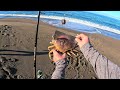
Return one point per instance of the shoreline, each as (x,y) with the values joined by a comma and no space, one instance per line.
(104,30)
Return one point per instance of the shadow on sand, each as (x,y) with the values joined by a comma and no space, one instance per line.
(22,53)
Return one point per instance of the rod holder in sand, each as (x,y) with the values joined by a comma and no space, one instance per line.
(35,47)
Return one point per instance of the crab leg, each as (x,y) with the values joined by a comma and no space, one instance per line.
(76,51)
(73,53)
(50,47)
(50,55)
(51,42)
(70,59)
(50,51)
(68,53)
(76,45)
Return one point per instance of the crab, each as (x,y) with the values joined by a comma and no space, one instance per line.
(63,44)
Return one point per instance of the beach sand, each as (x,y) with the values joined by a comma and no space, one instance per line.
(17,42)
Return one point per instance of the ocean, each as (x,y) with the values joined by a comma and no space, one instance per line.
(83,21)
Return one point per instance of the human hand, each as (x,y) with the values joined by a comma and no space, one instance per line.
(58,56)
(82,39)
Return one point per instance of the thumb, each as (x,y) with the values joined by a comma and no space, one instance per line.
(54,52)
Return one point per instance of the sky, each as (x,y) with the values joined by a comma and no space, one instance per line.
(113,14)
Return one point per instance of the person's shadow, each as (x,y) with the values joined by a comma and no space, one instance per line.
(23,53)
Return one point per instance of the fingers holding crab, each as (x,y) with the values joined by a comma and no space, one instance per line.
(63,44)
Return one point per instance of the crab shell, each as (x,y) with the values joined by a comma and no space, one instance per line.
(63,44)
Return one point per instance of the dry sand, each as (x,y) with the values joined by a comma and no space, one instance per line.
(18,42)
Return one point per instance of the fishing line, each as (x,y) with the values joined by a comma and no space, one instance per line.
(35,47)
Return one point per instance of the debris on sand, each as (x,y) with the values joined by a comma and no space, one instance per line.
(7,69)
(41,75)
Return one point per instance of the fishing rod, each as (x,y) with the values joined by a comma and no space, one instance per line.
(35,47)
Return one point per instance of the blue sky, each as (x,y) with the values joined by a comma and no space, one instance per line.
(113,14)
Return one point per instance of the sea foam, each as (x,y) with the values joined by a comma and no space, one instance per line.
(88,23)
